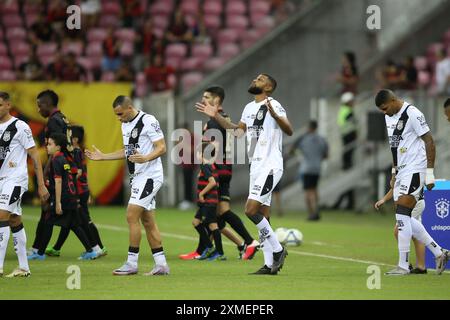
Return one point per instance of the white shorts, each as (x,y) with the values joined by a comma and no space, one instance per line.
(262,185)
(411,184)
(143,192)
(11,196)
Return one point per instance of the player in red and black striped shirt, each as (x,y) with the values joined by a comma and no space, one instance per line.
(207,199)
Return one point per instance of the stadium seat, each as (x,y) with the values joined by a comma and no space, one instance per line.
(212,22)
(214,63)
(189,7)
(94,49)
(3,49)
(190,64)
(140,78)
(176,50)
(228,50)
(97,34)
(19,59)
(46,60)
(7,75)
(31,18)
(424,78)
(190,79)
(249,37)
(259,7)
(47,49)
(420,63)
(159,32)
(161,7)
(109,21)
(108,77)
(212,7)
(74,47)
(16,34)
(173,62)
(111,8)
(202,51)
(227,36)
(161,21)
(125,34)
(127,49)
(19,48)
(31,7)
(235,7)
(238,22)
(1,34)
(12,21)
(9,7)
(5,63)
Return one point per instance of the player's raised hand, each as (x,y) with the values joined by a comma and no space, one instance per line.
(270,108)
(138,157)
(207,108)
(96,154)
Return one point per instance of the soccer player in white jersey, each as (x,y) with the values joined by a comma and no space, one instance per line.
(264,120)
(144,145)
(413,152)
(16,142)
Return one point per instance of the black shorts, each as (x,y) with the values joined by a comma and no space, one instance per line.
(70,218)
(207,213)
(224,188)
(310,181)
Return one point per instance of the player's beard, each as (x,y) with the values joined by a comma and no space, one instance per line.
(254,89)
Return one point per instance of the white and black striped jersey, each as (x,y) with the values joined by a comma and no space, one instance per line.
(405,130)
(139,135)
(264,136)
(15,139)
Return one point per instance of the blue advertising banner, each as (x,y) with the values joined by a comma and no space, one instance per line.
(436,218)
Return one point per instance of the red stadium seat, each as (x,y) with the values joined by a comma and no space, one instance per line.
(112,8)
(227,36)
(190,79)
(47,49)
(173,62)
(189,7)
(125,34)
(109,21)
(141,78)
(5,63)
(19,48)
(74,47)
(212,22)
(31,18)
(214,63)
(161,21)
(424,79)
(265,24)
(190,64)
(228,50)
(16,34)
(162,7)
(12,21)
(235,7)
(94,49)
(202,51)
(239,22)
(3,49)
(127,49)
(31,7)
(97,34)
(212,7)
(259,7)
(108,77)
(7,75)
(176,50)
(9,7)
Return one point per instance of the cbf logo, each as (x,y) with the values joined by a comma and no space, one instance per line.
(442,208)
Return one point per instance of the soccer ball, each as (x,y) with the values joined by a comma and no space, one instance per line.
(289,237)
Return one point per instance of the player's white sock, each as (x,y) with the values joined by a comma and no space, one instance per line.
(266,232)
(20,246)
(268,253)
(4,237)
(96,248)
(133,256)
(420,233)
(404,239)
(159,257)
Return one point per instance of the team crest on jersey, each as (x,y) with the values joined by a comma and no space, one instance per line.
(400,125)
(134,133)
(260,115)
(6,136)
(442,208)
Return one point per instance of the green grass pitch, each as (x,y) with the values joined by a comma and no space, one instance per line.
(332,263)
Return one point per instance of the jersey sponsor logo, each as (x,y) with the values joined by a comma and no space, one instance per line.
(4,197)
(4,152)
(442,208)
(403,188)
(12,164)
(131,149)
(422,121)
(28,133)
(134,190)
(156,127)
(403,150)
(67,167)
(395,140)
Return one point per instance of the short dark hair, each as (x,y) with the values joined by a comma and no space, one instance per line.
(120,100)
(217,91)
(272,81)
(447,103)
(4,95)
(383,96)
(313,124)
(60,140)
(77,132)
(54,99)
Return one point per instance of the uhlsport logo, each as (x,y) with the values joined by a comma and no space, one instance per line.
(442,208)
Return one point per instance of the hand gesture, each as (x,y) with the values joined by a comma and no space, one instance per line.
(138,157)
(379,204)
(270,108)
(208,109)
(94,155)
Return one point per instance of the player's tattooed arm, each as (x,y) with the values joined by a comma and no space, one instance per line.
(430,148)
(42,189)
